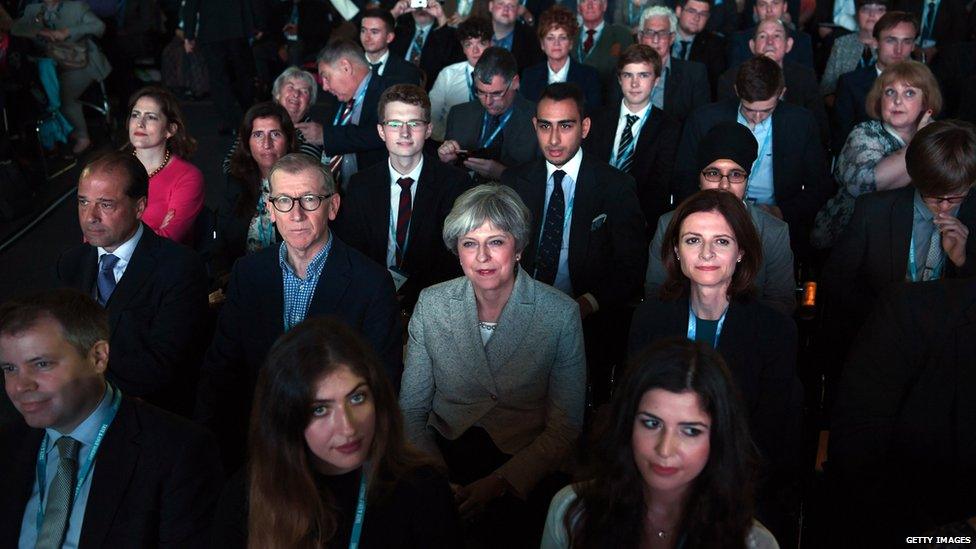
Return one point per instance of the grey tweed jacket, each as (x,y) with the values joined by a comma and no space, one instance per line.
(525,387)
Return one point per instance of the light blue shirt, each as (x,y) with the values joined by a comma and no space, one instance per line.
(85,433)
(761,190)
(505,41)
(298,291)
(420,32)
(349,165)
(657,94)
(571,168)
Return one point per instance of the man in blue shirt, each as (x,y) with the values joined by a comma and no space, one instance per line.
(90,466)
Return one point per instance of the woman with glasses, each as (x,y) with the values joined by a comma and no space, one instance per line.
(903,100)
(711,253)
(557,32)
(243,223)
(725,158)
(854,50)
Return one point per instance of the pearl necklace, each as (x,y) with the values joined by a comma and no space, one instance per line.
(160,167)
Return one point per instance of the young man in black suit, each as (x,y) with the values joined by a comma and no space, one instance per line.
(789,179)
(393,212)
(424,39)
(694,42)
(683,85)
(636,137)
(311,273)
(154,290)
(348,133)
(376,32)
(588,229)
(91,466)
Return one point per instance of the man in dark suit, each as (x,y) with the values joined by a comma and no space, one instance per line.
(772,40)
(376,33)
(895,33)
(802,51)
(789,179)
(312,273)
(600,43)
(495,131)
(588,230)
(683,85)
(145,477)
(155,291)
(393,212)
(424,39)
(943,23)
(513,35)
(636,137)
(349,131)
(696,43)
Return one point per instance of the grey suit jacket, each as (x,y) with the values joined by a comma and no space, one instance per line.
(603,56)
(844,57)
(79,20)
(525,387)
(774,281)
(519,142)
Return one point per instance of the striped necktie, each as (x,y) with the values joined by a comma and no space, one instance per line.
(60,497)
(335,163)
(625,153)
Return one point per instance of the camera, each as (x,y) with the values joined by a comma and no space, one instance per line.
(418,4)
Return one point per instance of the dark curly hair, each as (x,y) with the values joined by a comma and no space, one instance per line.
(610,506)
(243,167)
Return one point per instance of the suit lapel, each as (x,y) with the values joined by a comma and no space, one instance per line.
(141,267)
(780,136)
(534,183)
(902,219)
(516,315)
(467,337)
(89,271)
(585,199)
(114,465)
(647,133)
(670,86)
(333,281)
(378,218)
(272,301)
(424,205)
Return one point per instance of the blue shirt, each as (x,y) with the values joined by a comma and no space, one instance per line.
(84,433)
(657,94)
(504,42)
(298,291)
(760,188)
(571,168)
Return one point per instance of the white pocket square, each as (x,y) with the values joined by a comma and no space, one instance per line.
(598,222)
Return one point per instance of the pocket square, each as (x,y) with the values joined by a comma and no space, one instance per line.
(598,222)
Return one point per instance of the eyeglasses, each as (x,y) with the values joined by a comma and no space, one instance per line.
(953,199)
(412,124)
(714,175)
(653,35)
(309,202)
(491,95)
(695,13)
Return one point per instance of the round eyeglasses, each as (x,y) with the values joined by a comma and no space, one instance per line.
(309,202)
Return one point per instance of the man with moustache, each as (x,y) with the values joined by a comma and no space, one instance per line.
(588,229)
(154,290)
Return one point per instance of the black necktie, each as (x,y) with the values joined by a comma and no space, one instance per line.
(547,260)
(375,67)
(683,49)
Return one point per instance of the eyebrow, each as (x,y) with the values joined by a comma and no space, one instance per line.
(329,400)
(720,235)
(566,121)
(682,423)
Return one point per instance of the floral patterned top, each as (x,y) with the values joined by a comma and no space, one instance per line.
(261,232)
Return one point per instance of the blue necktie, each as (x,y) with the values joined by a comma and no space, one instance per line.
(106,278)
(551,243)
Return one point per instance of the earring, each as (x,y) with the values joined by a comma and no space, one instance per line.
(518,257)
(738,260)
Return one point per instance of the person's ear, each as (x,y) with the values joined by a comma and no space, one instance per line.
(98,356)
(379,129)
(752,46)
(140,206)
(586,126)
(789,44)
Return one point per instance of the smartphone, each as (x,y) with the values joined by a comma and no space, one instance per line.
(462,156)
(418,4)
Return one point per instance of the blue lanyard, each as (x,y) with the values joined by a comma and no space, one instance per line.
(357,525)
(913,268)
(348,117)
(693,325)
(635,131)
(501,124)
(116,399)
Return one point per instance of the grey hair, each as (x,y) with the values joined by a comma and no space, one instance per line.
(778,21)
(342,49)
(295,73)
(660,11)
(494,203)
(295,163)
(494,62)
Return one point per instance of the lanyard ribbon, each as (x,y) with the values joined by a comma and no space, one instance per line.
(693,325)
(485,143)
(348,117)
(357,525)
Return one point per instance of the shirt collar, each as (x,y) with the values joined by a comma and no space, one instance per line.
(598,28)
(571,168)
(414,173)
(425,28)
(562,74)
(124,252)
(87,430)
(762,126)
(314,267)
(624,111)
(382,59)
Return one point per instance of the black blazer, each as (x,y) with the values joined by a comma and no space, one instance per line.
(685,90)
(535,78)
(441,48)
(352,288)
(950,19)
(802,51)
(157,317)
(525,46)
(155,483)
(218,20)
(654,155)
(398,70)
(362,138)
(709,49)
(607,253)
(800,182)
(906,398)
(849,110)
(519,142)
(364,222)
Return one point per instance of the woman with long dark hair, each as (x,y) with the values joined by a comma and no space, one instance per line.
(329,465)
(673,464)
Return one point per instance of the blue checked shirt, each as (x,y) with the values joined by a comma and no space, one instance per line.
(299,291)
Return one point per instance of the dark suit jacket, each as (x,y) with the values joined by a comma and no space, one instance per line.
(352,288)
(950,19)
(316,19)
(955,67)
(686,88)
(906,398)
(441,48)
(535,78)
(801,53)
(654,155)
(606,258)
(362,138)
(218,20)
(157,318)
(800,182)
(400,71)
(849,110)
(519,142)
(364,222)
(155,483)
(801,90)
(525,46)
(709,49)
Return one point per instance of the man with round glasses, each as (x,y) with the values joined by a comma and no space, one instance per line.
(311,273)
(725,157)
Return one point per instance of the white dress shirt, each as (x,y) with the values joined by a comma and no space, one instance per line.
(622,123)
(558,76)
(382,61)
(123,252)
(452,87)
(395,192)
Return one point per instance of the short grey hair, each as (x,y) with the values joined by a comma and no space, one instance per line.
(495,61)
(779,22)
(494,203)
(295,163)
(342,49)
(295,73)
(660,11)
